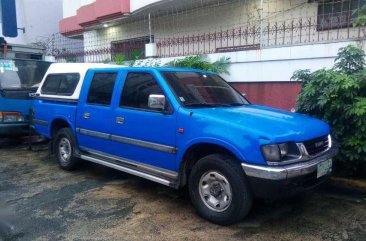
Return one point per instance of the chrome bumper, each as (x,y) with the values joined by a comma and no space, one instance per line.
(288,171)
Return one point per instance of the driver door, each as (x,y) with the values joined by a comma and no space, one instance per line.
(142,133)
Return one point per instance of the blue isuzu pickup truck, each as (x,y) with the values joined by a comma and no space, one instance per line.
(182,127)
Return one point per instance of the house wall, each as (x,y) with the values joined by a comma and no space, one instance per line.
(138,4)
(71,6)
(280,95)
(39,18)
(212,28)
(265,75)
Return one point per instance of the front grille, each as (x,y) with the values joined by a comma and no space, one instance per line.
(317,145)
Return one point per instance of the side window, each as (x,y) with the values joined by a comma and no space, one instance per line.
(136,90)
(101,88)
(60,84)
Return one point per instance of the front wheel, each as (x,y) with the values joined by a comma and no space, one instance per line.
(219,190)
(64,147)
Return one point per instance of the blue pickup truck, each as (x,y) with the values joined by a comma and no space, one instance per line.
(182,127)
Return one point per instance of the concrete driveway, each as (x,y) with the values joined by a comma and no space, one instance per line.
(39,201)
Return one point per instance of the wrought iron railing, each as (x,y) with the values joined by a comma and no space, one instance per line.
(240,38)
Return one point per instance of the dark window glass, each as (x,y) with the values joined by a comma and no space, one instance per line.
(101,88)
(60,84)
(202,90)
(334,14)
(21,74)
(136,90)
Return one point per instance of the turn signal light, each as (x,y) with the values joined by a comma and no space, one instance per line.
(8,117)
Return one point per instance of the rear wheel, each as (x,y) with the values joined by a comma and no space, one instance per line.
(64,147)
(219,190)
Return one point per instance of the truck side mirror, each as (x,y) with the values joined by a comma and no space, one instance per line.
(156,102)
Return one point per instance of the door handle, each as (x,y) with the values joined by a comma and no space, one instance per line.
(86,115)
(120,120)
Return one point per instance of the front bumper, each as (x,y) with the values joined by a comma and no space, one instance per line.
(282,181)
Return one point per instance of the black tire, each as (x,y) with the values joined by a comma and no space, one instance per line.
(241,195)
(64,137)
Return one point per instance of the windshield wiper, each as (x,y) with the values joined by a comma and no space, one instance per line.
(235,104)
(201,105)
(212,105)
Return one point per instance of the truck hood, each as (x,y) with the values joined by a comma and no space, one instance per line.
(266,123)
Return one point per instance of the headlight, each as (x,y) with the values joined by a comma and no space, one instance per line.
(280,152)
(283,149)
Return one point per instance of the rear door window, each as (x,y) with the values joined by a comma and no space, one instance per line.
(101,88)
(60,84)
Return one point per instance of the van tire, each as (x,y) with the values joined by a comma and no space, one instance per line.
(219,189)
(64,149)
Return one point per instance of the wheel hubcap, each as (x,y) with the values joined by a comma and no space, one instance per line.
(65,150)
(215,191)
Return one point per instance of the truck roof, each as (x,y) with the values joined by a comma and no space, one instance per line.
(164,69)
(83,68)
(64,68)
(77,67)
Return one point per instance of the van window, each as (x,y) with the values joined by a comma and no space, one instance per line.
(101,88)
(60,84)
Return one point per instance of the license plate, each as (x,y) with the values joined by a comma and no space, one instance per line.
(324,168)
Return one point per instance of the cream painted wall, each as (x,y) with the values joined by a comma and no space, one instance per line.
(71,6)
(138,4)
(213,19)
(273,64)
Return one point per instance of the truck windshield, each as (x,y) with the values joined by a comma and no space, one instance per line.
(17,74)
(194,89)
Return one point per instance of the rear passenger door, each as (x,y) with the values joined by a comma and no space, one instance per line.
(95,112)
(140,133)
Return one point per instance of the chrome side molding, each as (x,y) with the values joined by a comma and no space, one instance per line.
(130,141)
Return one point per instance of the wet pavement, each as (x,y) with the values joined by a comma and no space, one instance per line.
(39,201)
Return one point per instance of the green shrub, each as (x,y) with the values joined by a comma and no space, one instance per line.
(119,59)
(201,62)
(338,96)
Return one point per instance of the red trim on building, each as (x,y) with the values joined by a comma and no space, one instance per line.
(280,95)
(111,9)
(86,15)
(94,14)
(69,26)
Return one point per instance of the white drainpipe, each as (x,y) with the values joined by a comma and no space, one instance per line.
(261,24)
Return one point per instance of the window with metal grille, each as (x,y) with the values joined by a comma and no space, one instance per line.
(130,48)
(337,14)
